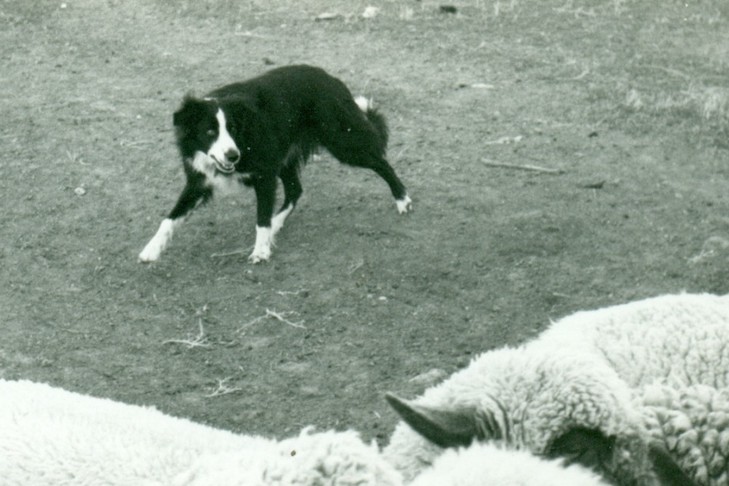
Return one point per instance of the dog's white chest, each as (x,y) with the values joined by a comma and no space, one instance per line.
(221,183)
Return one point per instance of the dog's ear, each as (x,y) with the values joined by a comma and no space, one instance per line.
(190,109)
(445,427)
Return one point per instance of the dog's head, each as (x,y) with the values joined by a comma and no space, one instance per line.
(203,132)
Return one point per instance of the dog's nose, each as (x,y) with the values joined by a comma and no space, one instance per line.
(232,156)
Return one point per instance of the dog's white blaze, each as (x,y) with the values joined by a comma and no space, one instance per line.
(264,242)
(159,241)
(278,221)
(224,143)
(404,205)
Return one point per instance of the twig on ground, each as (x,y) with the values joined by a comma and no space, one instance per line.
(248,33)
(242,251)
(223,389)
(533,168)
(399,154)
(138,144)
(581,75)
(355,266)
(503,140)
(576,12)
(279,316)
(199,341)
(290,292)
(665,69)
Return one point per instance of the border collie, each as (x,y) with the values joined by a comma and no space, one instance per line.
(257,131)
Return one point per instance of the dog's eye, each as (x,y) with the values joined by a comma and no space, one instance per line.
(212,133)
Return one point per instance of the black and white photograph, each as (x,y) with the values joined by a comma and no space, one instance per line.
(364,243)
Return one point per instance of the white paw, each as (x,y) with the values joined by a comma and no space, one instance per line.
(159,241)
(259,256)
(404,205)
(262,248)
(150,253)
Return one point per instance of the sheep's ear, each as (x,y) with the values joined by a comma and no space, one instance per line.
(588,447)
(669,473)
(445,428)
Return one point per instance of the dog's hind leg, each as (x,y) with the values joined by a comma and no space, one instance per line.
(351,154)
(192,195)
(265,188)
(385,170)
(292,192)
(361,141)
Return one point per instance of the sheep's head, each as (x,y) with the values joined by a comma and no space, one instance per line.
(625,460)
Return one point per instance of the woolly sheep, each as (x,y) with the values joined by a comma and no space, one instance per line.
(569,392)
(55,437)
(485,464)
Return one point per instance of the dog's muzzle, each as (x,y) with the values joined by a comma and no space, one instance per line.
(227,166)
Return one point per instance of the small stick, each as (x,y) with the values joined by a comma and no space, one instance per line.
(248,33)
(280,317)
(355,266)
(200,341)
(229,253)
(276,315)
(289,292)
(222,389)
(581,75)
(533,168)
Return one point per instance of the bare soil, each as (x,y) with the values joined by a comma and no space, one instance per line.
(628,100)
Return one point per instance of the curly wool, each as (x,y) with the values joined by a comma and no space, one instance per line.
(693,424)
(53,437)
(325,458)
(488,464)
(678,340)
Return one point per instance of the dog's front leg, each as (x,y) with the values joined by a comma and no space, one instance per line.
(193,194)
(265,188)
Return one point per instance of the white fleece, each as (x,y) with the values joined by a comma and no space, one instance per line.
(674,339)
(488,464)
(53,437)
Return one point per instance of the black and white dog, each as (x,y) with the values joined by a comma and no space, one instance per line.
(266,128)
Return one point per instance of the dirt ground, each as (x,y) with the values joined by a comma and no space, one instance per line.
(627,100)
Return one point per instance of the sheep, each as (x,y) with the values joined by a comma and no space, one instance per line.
(693,424)
(570,391)
(485,464)
(56,437)
(50,436)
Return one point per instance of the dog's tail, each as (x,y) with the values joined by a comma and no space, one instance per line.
(377,120)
